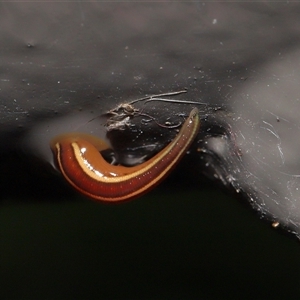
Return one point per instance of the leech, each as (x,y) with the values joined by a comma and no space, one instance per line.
(86,170)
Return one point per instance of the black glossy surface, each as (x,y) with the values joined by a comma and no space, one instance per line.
(62,64)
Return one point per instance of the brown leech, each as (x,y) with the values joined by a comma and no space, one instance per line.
(86,170)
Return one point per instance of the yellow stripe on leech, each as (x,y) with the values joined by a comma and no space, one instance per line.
(147,165)
(183,139)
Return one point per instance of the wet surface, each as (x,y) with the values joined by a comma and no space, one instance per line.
(64,65)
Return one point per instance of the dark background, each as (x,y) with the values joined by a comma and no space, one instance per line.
(183,244)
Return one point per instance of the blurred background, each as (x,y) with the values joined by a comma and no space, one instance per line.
(63,64)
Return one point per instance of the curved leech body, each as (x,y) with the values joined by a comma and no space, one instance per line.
(86,170)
